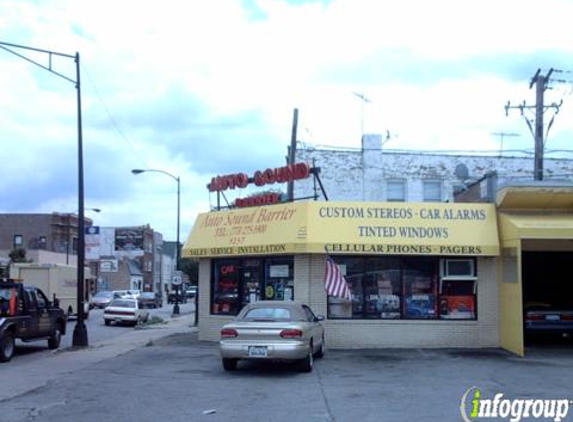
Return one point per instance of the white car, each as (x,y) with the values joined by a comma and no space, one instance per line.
(125,311)
(273,330)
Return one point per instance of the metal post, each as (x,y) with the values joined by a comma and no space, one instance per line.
(178,252)
(80,336)
(68,239)
(292,153)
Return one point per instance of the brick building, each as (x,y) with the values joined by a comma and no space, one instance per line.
(47,238)
(375,174)
(425,267)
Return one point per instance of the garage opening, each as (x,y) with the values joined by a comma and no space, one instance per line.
(547,278)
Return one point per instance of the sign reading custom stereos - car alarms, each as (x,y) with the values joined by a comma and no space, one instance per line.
(269,176)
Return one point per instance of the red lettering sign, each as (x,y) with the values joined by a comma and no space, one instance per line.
(269,176)
(253,201)
(227,269)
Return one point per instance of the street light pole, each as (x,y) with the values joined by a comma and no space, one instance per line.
(178,250)
(80,337)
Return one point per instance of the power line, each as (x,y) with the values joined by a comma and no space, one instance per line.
(111,118)
(541,84)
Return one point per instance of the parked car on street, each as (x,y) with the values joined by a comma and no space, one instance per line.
(150,300)
(101,299)
(191,292)
(180,297)
(125,311)
(547,318)
(129,294)
(273,330)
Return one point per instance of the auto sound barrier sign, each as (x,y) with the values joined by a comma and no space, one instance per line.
(347,228)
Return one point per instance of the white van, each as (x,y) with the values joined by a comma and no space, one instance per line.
(55,279)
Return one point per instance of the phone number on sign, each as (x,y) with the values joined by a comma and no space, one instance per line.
(240,231)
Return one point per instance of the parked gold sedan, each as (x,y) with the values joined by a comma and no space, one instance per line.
(273,330)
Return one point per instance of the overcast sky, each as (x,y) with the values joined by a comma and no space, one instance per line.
(204,88)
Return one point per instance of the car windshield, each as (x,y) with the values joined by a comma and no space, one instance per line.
(272,314)
(103,294)
(122,303)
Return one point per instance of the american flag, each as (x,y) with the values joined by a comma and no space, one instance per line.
(334,281)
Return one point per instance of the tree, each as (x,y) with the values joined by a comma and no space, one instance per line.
(18,255)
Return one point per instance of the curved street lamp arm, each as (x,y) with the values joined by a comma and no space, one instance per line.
(139,171)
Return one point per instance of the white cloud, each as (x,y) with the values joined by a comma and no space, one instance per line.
(205,88)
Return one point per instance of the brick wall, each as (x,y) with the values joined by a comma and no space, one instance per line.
(361,175)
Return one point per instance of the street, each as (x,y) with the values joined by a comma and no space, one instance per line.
(178,378)
(97,331)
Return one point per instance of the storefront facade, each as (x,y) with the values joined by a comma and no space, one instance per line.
(421,274)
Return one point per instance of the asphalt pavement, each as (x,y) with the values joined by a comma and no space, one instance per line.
(35,373)
(166,373)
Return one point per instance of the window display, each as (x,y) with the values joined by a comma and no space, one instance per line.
(237,282)
(420,287)
(226,288)
(457,299)
(402,288)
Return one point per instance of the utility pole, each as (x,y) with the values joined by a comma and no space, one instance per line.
(540,82)
(292,153)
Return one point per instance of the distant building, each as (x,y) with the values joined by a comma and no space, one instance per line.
(137,244)
(379,175)
(47,238)
(119,274)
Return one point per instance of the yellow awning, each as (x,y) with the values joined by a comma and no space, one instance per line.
(347,228)
(537,197)
(514,226)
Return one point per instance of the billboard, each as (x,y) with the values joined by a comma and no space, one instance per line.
(129,240)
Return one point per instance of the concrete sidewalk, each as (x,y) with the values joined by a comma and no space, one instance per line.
(22,378)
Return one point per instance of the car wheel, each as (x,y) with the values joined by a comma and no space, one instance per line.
(322,349)
(55,339)
(6,347)
(107,321)
(229,364)
(307,363)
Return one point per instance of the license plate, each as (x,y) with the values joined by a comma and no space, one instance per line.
(552,317)
(257,351)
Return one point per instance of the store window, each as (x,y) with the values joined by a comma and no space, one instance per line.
(396,190)
(458,289)
(420,288)
(432,191)
(237,282)
(226,287)
(405,288)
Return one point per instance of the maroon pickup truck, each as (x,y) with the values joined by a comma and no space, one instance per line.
(27,314)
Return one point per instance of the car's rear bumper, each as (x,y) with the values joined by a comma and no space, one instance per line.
(120,318)
(277,351)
